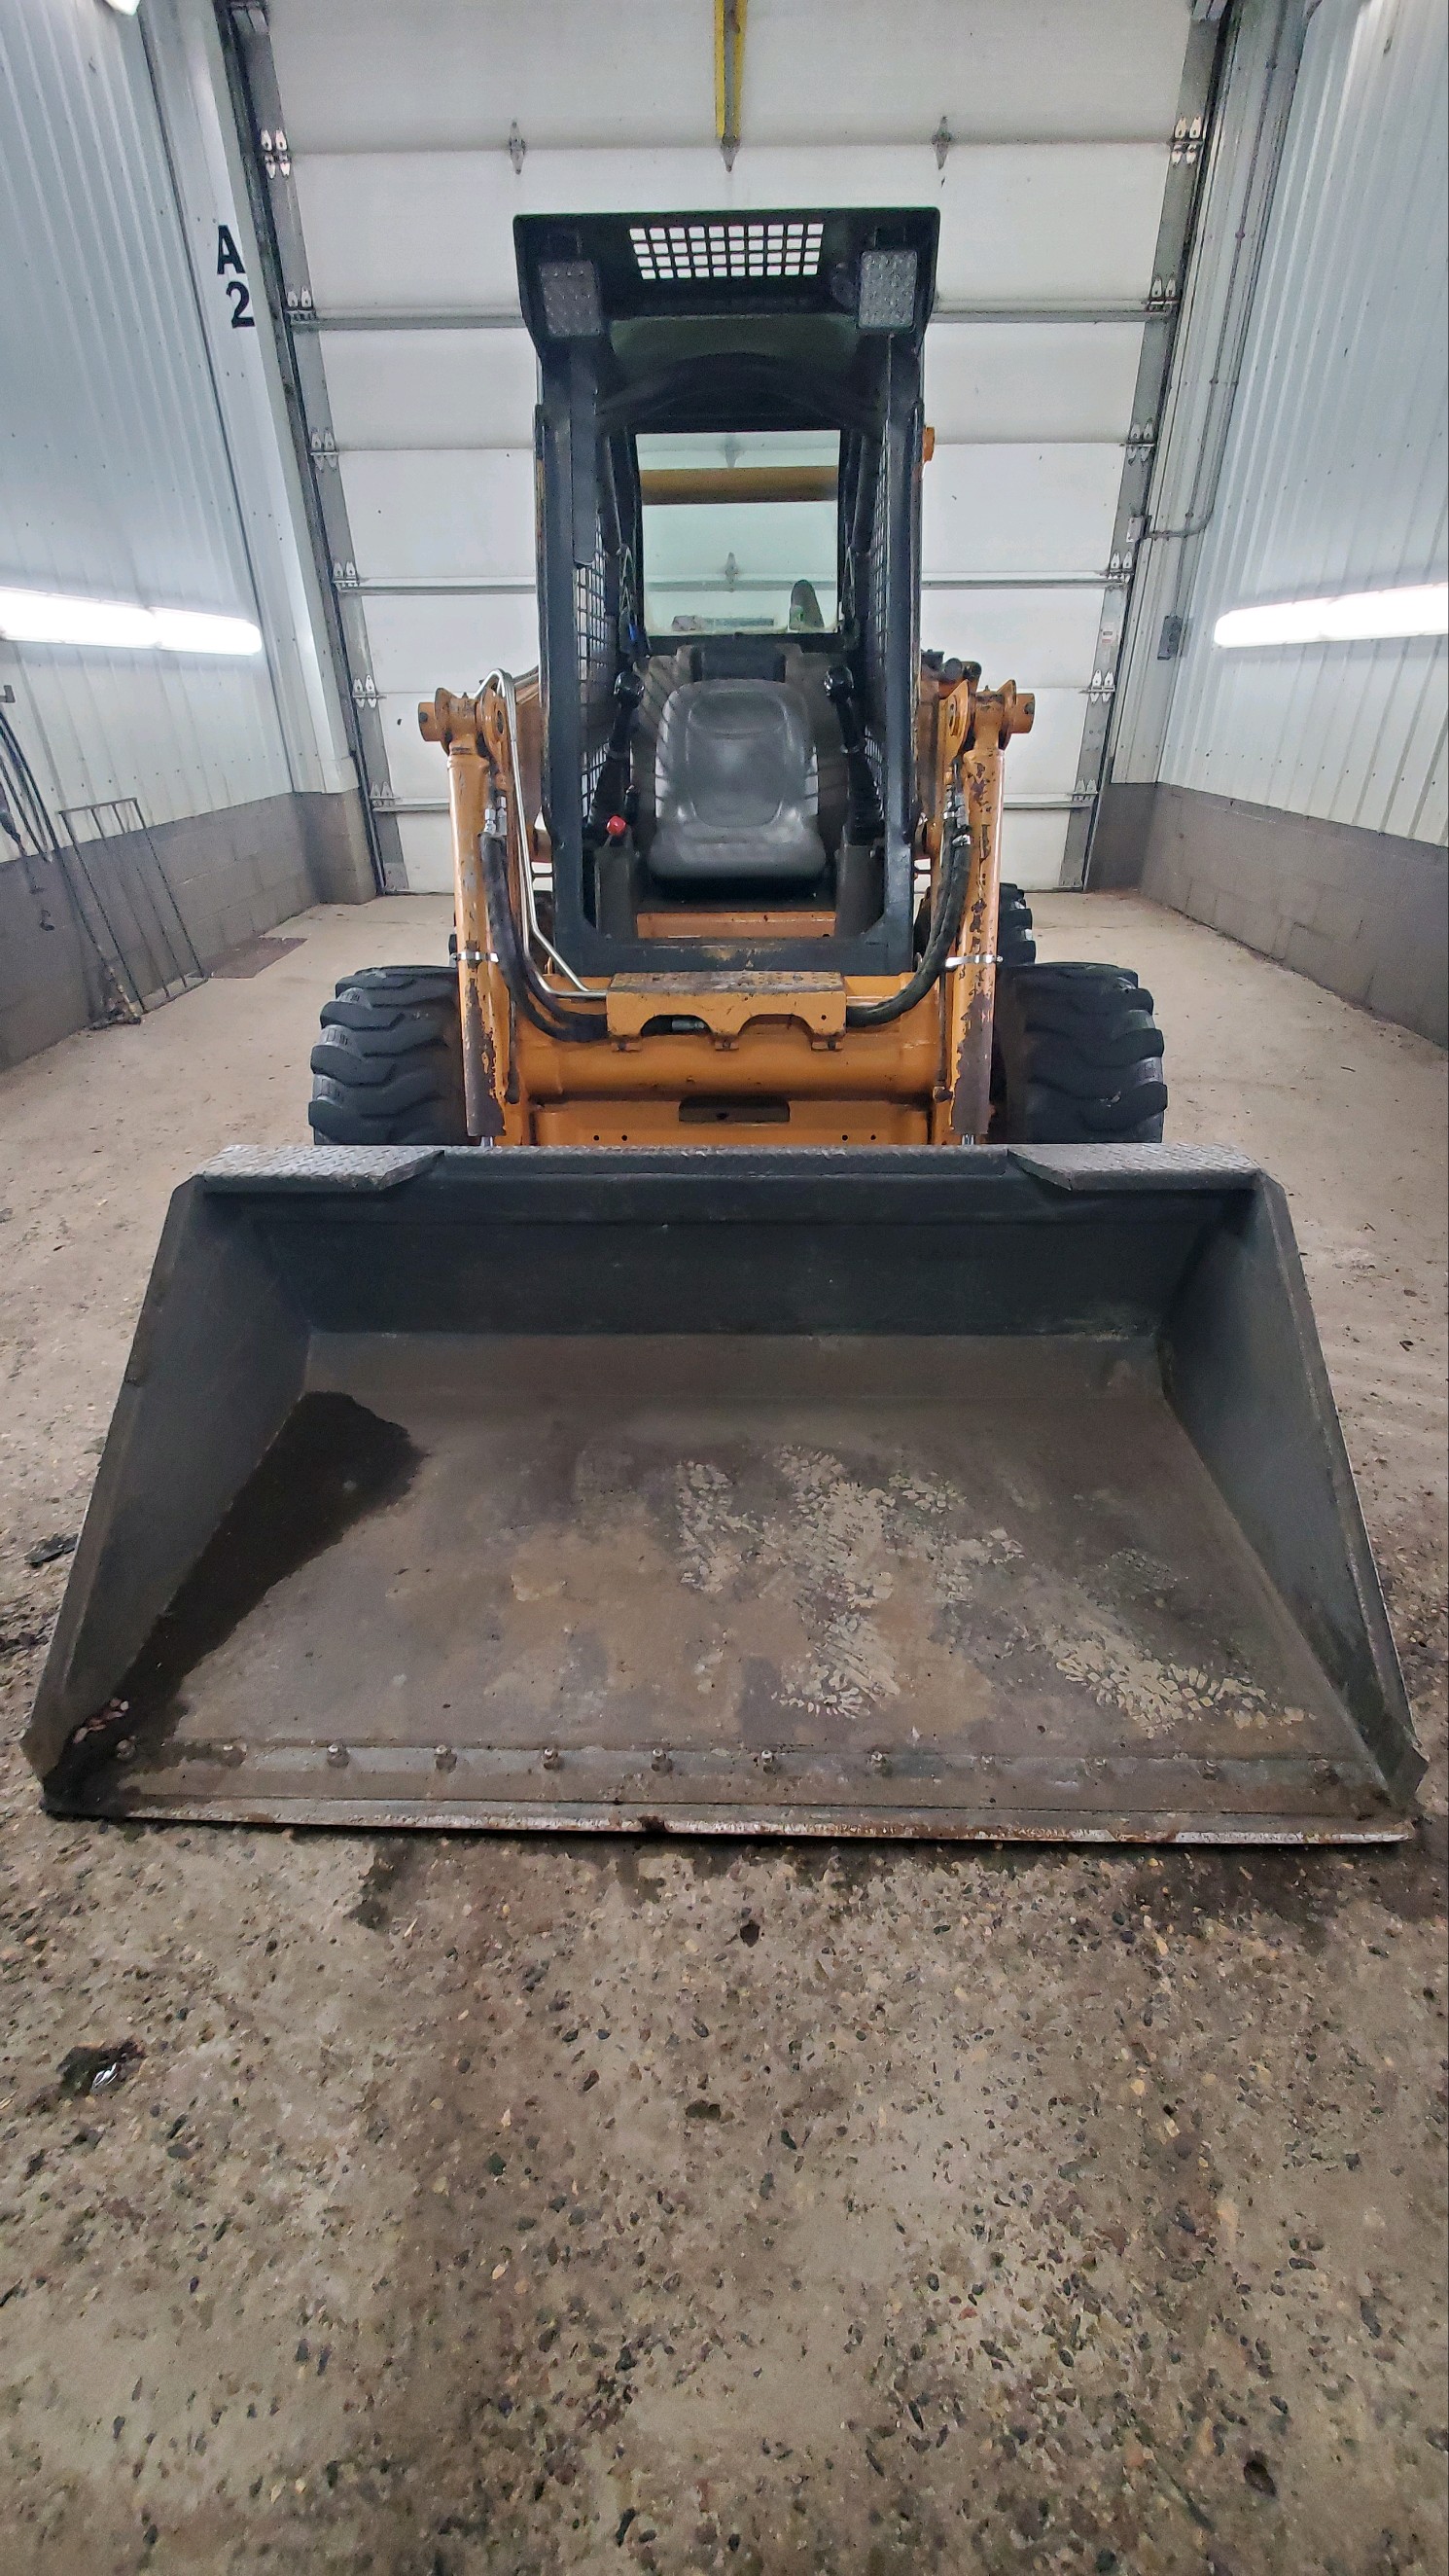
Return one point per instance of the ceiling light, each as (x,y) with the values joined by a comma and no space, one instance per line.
(125,8)
(115,625)
(1357,616)
(189,630)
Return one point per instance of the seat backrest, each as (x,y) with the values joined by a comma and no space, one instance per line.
(736,657)
(735,784)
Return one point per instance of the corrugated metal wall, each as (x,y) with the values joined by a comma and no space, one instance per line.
(114,481)
(1334,474)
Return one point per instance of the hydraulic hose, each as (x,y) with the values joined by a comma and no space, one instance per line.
(527,989)
(875,1015)
(504,682)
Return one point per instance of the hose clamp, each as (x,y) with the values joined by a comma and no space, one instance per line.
(984,958)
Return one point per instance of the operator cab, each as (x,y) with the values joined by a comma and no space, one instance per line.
(729,444)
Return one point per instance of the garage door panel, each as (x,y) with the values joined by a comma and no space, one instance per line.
(997,382)
(1033,847)
(418,769)
(424,515)
(1042,639)
(427,848)
(1019,509)
(1044,761)
(1031,380)
(1036,223)
(448,641)
(360,73)
(432,388)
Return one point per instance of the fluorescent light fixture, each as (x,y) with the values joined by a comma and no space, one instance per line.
(125,8)
(1358,616)
(191,630)
(117,625)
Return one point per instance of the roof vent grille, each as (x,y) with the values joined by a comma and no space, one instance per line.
(687,254)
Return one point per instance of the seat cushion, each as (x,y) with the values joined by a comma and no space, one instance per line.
(735,785)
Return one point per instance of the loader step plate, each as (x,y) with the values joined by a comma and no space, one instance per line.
(707,1584)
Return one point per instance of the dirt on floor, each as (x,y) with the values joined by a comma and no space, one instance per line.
(474,2207)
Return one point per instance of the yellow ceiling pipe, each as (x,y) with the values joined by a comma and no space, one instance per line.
(729,73)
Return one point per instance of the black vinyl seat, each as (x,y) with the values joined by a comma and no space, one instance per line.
(735,784)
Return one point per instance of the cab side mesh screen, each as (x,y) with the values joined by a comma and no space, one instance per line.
(596,629)
(874,625)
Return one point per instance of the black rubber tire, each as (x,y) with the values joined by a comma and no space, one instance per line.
(1078,1058)
(388,1066)
(1015,945)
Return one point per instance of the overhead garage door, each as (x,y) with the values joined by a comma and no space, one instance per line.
(1060,144)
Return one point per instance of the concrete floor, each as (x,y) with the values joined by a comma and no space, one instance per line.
(519,2206)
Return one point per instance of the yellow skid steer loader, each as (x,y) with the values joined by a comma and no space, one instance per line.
(738,1355)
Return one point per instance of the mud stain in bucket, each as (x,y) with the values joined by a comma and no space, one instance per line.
(333,1463)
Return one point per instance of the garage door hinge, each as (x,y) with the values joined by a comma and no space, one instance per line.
(381,799)
(344,575)
(1141,440)
(1104,684)
(1187,140)
(276,153)
(323,446)
(1163,297)
(364,692)
(300,307)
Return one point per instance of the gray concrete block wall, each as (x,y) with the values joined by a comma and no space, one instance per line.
(1365,914)
(234,875)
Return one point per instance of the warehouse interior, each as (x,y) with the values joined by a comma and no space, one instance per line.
(512,2200)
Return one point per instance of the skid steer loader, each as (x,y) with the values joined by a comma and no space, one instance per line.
(738,1354)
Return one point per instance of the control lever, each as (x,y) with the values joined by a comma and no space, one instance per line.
(611,789)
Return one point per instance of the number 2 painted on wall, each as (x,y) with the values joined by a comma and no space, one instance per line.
(231,266)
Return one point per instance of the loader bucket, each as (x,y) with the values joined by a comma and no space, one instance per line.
(989,1492)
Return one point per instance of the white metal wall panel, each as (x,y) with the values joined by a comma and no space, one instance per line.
(115,480)
(569,72)
(1334,476)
